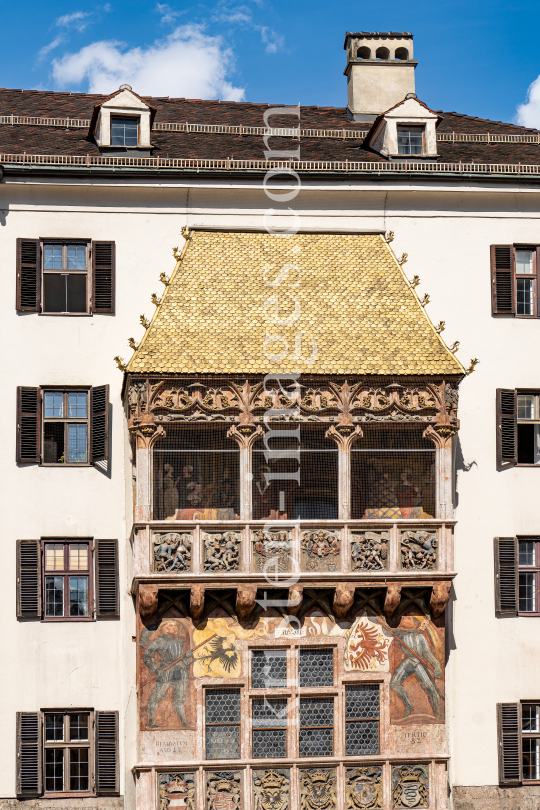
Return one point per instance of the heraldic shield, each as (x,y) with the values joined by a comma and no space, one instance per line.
(364,788)
(271,789)
(223,790)
(410,786)
(318,789)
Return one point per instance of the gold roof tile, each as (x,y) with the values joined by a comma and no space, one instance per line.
(351,297)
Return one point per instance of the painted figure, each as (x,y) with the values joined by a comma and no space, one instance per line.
(166,659)
(383,502)
(408,495)
(170,491)
(420,661)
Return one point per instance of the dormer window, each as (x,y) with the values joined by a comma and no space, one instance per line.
(410,140)
(124,131)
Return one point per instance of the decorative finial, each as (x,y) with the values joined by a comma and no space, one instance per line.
(440,327)
(144,322)
(454,347)
(186,233)
(474,363)
(155,300)
(176,253)
(425,300)
(389,237)
(120,363)
(415,281)
(132,344)
(404,258)
(164,279)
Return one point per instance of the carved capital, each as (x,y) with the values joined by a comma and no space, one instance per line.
(196,602)
(146,432)
(148,600)
(344,435)
(343,599)
(441,434)
(296,597)
(245,600)
(439,598)
(245,435)
(392,599)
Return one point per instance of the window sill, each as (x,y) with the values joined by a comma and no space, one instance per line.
(66,464)
(68,795)
(66,314)
(56,619)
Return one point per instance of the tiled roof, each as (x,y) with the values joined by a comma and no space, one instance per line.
(45,140)
(352,299)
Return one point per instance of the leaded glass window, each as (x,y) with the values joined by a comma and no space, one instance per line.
(269,727)
(269,669)
(222,723)
(316,727)
(316,666)
(362,719)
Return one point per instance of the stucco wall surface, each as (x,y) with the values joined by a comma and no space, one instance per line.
(492,797)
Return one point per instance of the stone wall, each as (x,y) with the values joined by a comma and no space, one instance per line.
(492,797)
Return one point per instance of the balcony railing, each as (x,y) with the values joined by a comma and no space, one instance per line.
(284,549)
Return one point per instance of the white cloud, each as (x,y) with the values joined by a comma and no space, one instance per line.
(230,13)
(77,19)
(528,114)
(188,63)
(168,15)
(274,42)
(43,52)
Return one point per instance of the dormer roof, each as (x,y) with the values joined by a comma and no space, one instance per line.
(123,98)
(382,137)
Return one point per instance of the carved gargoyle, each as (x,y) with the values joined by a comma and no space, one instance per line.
(392,599)
(343,599)
(245,600)
(148,600)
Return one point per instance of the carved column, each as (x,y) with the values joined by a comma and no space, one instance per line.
(245,436)
(146,435)
(442,435)
(344,436)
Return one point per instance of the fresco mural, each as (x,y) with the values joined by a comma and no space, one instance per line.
(173,654)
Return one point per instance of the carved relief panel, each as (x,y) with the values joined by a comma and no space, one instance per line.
(271,789)
(222,551)
(321,551)
(172,552)
(177,790)
(271,551)
(223,790)
(364,787)
(419,550)
(318,789)
(369,551)
(410,786)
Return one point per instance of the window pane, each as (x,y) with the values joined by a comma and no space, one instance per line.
(76,293)
(78,769)
(527,592)
(54,727)
(222,705)
(531,758)
(222,742)
(54,556)
(269,713)
(362,702)
(525,403)
(78,596)
(54,769)
(77,404)
(78,557)
(530,717)
(526,552)
(362,737)
(526,444)
(524,296)
(77,444)
(52,257)
(268,669)
(124,131)
(410,140)
(54,596)
(315,742)
(269,720)
(54,290)
(54,404)
(316,667)
(76,257)
(53,442)
(524,261)
(78,727)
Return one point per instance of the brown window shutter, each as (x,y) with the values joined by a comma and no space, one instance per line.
(107,780)
(506,426)
(29,754)
(28,579)
(509,732)
(502,280)
(107,596)
(103,277)
(99,418)
(506,576)
(28,425)
(28,275)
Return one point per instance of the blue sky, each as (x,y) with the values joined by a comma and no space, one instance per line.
(475,57)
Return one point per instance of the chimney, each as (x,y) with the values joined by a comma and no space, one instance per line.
(380,72)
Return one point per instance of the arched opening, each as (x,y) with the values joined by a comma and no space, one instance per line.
(402,54)
(363,53)
(382,53)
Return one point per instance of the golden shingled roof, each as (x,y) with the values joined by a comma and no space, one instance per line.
(344,306)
